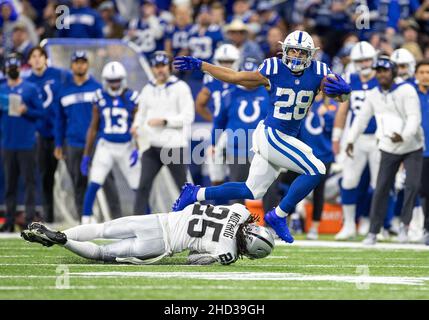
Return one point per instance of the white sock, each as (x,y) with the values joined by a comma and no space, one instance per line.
(201,194)
(349,214)
(85,232)
(86,249)
(280,212)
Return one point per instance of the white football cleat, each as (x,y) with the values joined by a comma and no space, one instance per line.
(403,234)
(346,233)
(370,240)
(363,228)
(88,220)
(313,234)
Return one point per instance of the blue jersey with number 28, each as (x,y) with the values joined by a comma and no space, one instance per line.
(291,94)
(116,115)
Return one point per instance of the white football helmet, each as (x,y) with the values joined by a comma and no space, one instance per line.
(363,51)
(259,241)
(404,57)
(227,53)
(298,40)
(114,77)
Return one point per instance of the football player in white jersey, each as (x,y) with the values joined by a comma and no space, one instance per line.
(211,234)
(366,152)
(227,56)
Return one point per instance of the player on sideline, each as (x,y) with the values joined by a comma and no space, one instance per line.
(292,82)
(363,56)
(112,116)
(227,233)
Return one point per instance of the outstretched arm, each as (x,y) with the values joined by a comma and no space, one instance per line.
(244,78)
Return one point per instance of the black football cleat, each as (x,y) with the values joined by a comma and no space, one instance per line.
(29,236)
(43,232)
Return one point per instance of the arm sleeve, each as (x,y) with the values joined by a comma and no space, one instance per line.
(413,120)
(361,121)
(186,113)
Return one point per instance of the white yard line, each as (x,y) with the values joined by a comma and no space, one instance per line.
(265,276)
(355,245)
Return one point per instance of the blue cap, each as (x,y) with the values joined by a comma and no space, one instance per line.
(249,64)
(384,62)
(12,61)
(142,2)
(264,6)
(159,57)
(80,54)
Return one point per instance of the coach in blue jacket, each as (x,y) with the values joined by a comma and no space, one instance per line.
(20,108)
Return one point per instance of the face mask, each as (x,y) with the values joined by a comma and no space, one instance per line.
(13,73)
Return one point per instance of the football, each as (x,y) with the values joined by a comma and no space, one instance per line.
(322,85)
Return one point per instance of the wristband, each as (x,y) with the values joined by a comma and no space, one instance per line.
(336,134)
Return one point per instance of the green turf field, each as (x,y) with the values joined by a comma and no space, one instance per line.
(30,271)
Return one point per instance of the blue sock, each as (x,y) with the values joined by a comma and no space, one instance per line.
(298,190)
(349,196)
(90,194)
(228,191)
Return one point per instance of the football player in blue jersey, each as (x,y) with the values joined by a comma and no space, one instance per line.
(240,112)
(406,64)
(366,152)
(227,56)
(112,116)
(48,80)
(292,83)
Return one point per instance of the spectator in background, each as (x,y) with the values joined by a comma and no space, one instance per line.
(422,76)
(82,22)
(73,116)
(21,42)
(218,14)
(411,40)
(176,42)
(320,54)
(422,16)
(112,29)
(268,18)
(204,36)
(8,17)
(272,46)
(238,34)
(166,112)
(49,81)
(19,116)
(147,32)
(47,28)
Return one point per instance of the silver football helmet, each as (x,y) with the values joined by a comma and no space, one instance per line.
(259,242)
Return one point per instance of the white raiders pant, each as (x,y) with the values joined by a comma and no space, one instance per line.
(141,237)
(106,155)
(274,152)
(365,152)
(216,164)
